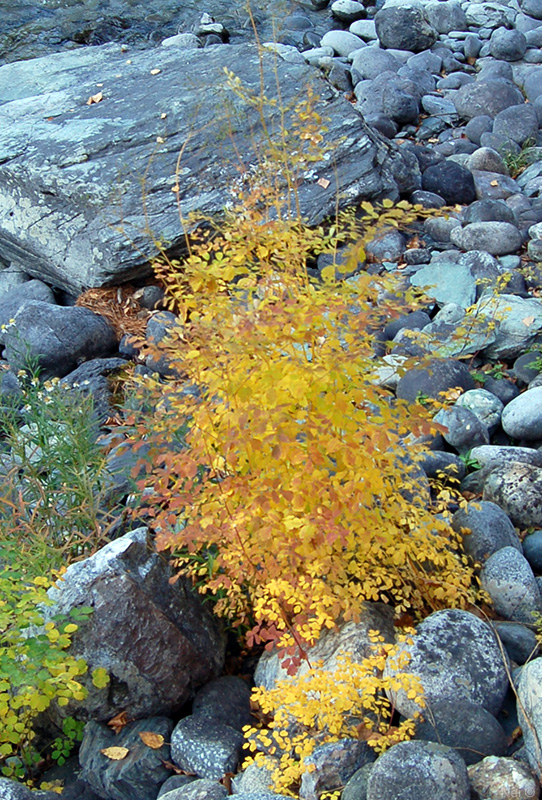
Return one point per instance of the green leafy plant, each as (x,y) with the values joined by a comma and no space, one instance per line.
(62,746)
(35,669)
(54,480)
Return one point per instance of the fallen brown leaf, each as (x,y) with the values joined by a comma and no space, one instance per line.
(152,740)
(115,753)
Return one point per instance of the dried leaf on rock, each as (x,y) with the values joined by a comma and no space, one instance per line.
(152,740)
(115,753)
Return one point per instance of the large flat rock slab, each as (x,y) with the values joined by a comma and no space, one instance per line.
(86,190)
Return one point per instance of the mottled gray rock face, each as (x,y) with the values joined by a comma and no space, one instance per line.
(71,207)
(522,417)
(530,711)
(503,778)
(208,748)
(467,727)
(455,655)
(508,579)
(154,639)
(420,770)
(517,488)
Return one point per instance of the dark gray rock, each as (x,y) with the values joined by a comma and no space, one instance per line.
(225,700)
(12,301)
(391,95)
(153,638)
(526,367)
(488,210)
(532,550)
(371,62)
(446,17)
(508,579)
(486,530)
(206,747)
(57,337)
(419,771)
(518,640)
(456,656)
(477,126)
(404,28)
(517,489)
(140,773)
(502,388)
(334,764)
(467,727)
(439,376)
(439,464)
(486,97)
(451,181)
(518,123)
(507,45)
(464,429)
(356,787)
(347,11)
(92,378)
(70,175)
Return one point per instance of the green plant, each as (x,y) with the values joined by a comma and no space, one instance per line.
(62,746)
(35,669)
(517,162)
(54,478)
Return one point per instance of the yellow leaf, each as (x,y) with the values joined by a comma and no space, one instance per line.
(528,321)
(493,183)
(95,98)
(323,182)
(115,753)
(152,740)
(155,71)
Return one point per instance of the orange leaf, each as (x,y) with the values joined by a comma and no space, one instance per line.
(152,740)
(115,753)
(118,722)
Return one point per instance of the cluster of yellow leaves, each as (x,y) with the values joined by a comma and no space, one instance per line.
(293,497)
(321,706)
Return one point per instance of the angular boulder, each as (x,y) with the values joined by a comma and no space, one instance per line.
(154,639)
(103,153)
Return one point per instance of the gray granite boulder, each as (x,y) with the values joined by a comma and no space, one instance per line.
(71,207)
(485,528)
(522,417)
(155,640)
(404,27)
(529,689)
(486,97)
(517,320)
(496,238)
(497,778)
(484,405)
(57,337)
(508,579)
(517,488)
(332,765)
(208,748)
(455,655)
(419,771)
